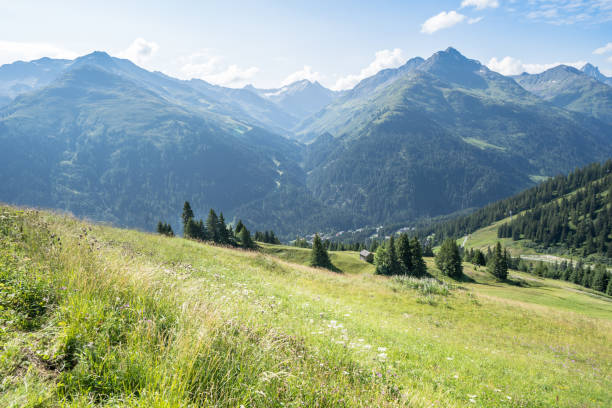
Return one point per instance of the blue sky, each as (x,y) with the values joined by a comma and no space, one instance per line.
(339,42)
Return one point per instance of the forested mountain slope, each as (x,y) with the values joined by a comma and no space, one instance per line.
(567,214)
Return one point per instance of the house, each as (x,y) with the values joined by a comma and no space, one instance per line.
(366,256)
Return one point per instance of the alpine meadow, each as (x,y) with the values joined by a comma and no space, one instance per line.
(306,204)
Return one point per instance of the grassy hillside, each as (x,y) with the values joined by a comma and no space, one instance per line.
(97,316)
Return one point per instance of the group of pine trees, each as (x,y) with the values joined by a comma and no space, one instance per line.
(497,261)
(597,278)
(214,229)
(164,229)
(267,237)
(404,257)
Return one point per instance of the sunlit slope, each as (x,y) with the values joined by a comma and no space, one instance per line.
(133,319)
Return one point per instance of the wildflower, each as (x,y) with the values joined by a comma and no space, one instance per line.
(509,397)
(472,400)
(367,347)
(455,376)
(449,358)
(382,356)
(382,349)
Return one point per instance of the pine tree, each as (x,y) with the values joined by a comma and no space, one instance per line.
(222,230)
(498,265)
(448,260)
(212,225)
(381,261)
(240,226)
(609,288)
(186,216)
(404,254)
(418,264)
(245,238)
(394,265)
(319,256)
(599,278)
(160,227)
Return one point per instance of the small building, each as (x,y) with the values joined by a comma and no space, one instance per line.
(367,256)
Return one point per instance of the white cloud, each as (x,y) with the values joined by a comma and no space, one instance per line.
(26,51)
(441,21)
(514,66)
(603,50)
(304,73)
(480,4)
(384,59)
(140,51)
(212,68)
(475,20)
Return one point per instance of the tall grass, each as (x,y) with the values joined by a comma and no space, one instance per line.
(116,329)
(134,319)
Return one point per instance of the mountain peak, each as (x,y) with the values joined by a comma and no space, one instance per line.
(96,57)
(453,66)
(453,51)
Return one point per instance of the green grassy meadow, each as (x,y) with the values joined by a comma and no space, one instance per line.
(97,316)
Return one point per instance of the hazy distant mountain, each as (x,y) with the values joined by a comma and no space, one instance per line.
(593,72)
(300,99)
(444,135)
(20,77)
(230,104)
(102,144)
(571,89)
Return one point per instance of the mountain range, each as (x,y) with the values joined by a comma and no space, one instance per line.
(104,138)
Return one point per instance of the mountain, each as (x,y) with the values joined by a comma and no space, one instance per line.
(593,72)
(300,99)
(104,145)
(230,105)
(445,135)
(20,77)
(104,138)
(572,89)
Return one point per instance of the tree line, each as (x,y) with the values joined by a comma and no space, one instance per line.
(580,223)
(543,193)
(401,257)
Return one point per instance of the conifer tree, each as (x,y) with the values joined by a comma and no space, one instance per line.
(186,216)
(381,261)
(448,260)
(498,265)
(319,256)
(212,226)
(404,255)
(599,278)
(245,238)
(240,226)
(418,264)
(394,265)
(609,288)
(222,230)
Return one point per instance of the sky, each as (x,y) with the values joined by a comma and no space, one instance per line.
(336,42)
